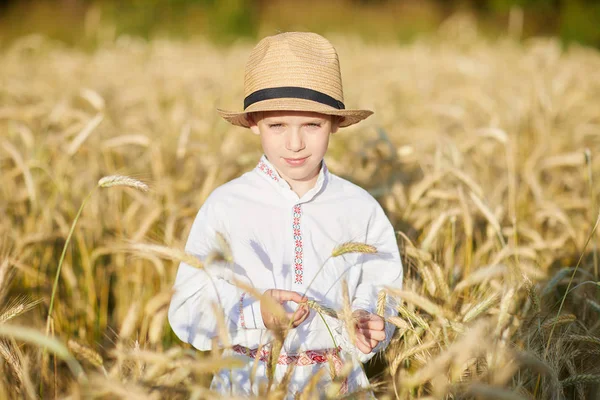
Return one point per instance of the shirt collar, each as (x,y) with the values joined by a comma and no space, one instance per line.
(268,172)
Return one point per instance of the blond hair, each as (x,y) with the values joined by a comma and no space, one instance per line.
(258,115)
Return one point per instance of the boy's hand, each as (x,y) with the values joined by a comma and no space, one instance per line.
(281,296)
(370,330)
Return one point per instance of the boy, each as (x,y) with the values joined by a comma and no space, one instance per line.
(282,220)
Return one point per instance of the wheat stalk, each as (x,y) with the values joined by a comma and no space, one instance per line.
(321,309)
(353,247)
(309,390)
(562,301)
(156,326)
(560,320)
(20,163)
(532,293)
(409,353)
(87,354)
(225,247)
(120,180)
(16,307)
(381,300)
(346,314)
(582,378)
(505,303)
(11,359)
(274,351)
(399,322)
(489,215)
(408,314)
(419,301)
(535,363)
(481,275)
(223,333)
(167,252)
(5,274)
(583,338)
(128,325)
(480,308)
(560,275)
(593,304)
(107,181)
(84,134)
(36,338)
(579,387)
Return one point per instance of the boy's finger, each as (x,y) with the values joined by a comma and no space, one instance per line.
(288,295)
(296,324)
(294,315)
(372,323)
(298,316)
(297,297)
(291,316)
(369,338)
(373,334)
(362,344)
(304,315)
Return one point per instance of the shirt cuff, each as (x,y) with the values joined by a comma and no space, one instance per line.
(249,312)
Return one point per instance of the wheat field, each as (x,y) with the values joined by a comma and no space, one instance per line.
(484,154)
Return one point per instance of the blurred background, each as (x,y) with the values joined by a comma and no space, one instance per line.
(78,21)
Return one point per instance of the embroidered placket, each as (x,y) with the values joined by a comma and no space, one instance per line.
(264,168)
(297,231)
(298,247)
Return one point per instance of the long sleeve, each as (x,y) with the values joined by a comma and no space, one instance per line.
(191,312)
(377,271)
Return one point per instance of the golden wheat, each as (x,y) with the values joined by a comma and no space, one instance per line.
(381,301)
(86,353)
(16,307)
(583,378)
(488,195)
(353,247)
(11,359)
(560,320)
(118,180)
(330,312)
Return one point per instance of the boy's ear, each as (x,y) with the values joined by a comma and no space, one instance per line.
(253,125)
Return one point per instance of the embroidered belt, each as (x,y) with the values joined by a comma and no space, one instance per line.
(308,357)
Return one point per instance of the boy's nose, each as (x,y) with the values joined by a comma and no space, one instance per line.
(294,140)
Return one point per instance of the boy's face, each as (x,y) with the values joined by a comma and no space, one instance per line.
(295,142)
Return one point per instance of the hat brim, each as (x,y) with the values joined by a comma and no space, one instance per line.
(350,117)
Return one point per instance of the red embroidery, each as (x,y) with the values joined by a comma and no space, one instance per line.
(298,250)
(309,357)
(242,321)
(267,171)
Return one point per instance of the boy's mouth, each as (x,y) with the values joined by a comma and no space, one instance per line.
(295,162)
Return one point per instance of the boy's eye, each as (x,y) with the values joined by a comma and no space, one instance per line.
(315,124)
(274,125)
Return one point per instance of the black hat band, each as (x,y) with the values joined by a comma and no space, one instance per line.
(294,93)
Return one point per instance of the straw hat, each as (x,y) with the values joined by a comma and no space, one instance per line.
(294,71)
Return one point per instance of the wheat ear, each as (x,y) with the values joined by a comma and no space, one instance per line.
(120,180)
(353,247)
(87,354)
(381,300)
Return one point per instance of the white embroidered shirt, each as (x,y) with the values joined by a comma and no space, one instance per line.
(279,240)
